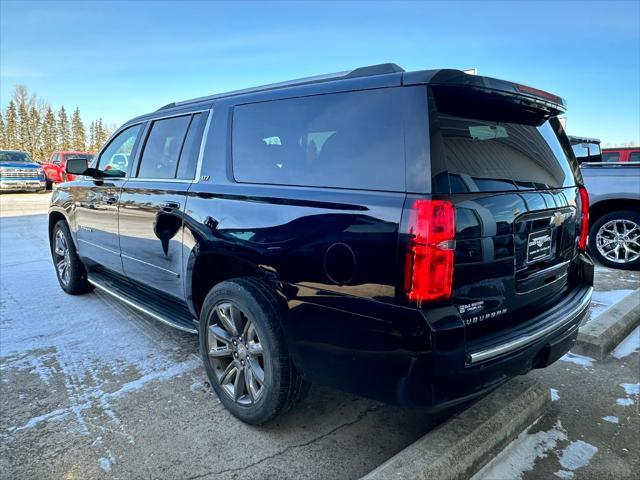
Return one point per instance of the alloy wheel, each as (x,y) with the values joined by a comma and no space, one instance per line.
(619,241)
(236,354)
(63,260)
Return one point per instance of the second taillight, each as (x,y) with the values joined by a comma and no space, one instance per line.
(584,219)
(430,259)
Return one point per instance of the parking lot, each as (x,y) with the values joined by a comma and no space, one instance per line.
(91,389)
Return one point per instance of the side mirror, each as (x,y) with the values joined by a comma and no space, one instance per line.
(77,166)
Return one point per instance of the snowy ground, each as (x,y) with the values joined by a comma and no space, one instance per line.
(593,429)
(91,389)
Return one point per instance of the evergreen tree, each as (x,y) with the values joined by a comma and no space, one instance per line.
(102,134)
(64,133)
(24,133)
(11,126)
(92,136)
(35,140)
(3,142)
(78,135)
(49,133)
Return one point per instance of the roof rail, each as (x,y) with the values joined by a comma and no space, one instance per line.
(371,70)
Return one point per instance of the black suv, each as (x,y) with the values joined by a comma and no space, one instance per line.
(413,237)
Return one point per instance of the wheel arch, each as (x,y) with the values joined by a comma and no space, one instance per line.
(597,210)
(54,217)
(207,269)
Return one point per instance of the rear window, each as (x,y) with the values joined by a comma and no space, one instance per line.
(473,155)
(610,157)
(345,140)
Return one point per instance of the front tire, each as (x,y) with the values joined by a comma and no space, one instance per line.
(71,273)
(245,352)
(614,239)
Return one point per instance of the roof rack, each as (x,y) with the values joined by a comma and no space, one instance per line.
(371,70)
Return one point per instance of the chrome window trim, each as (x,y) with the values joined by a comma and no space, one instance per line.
(203,142)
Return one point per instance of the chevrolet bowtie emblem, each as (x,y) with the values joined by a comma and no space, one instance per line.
(557,219)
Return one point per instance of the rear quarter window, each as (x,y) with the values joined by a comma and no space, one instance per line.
(344,140)
(610,157)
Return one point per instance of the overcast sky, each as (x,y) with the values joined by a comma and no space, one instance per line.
(119,59)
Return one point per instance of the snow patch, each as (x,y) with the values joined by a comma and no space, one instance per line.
(611,419)
(555,396)
(577,455)
(521,455)
(107,462)
(565,474)
(625,402)
(631,388)
(578,359)
(629,345)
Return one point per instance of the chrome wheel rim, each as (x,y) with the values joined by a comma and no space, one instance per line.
(235,352)
(619,241)
(63,261)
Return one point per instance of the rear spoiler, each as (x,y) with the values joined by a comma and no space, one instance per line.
(549,103)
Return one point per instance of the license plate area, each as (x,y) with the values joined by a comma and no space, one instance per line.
(539,246)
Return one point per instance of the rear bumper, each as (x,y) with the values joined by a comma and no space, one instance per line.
(457,371)
(562,315)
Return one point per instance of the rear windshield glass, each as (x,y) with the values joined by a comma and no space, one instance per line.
(83,156)
(610,157)
(471,155)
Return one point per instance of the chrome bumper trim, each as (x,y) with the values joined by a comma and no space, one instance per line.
(525,340)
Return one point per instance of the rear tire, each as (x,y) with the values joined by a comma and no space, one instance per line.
(245,353)
(71,273)
(617,230)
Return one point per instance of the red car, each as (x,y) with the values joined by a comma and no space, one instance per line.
(54,169)
(622,154)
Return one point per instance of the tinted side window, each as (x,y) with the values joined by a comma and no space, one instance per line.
(114,160)
(634,157)
(191,149)
(346,140)
(610,157)
(162,148)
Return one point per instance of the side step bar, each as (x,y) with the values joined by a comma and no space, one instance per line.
(145,300)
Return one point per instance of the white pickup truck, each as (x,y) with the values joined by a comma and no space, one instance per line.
(614,198)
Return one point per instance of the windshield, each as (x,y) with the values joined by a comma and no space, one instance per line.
(15,157)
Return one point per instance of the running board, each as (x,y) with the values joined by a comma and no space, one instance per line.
(145,300)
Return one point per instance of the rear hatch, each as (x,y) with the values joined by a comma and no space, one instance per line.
(508,169)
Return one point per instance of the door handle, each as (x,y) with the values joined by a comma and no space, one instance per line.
(170,206)
(111,200)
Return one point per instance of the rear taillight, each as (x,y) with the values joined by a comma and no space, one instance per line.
(584,219)
(429,263)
